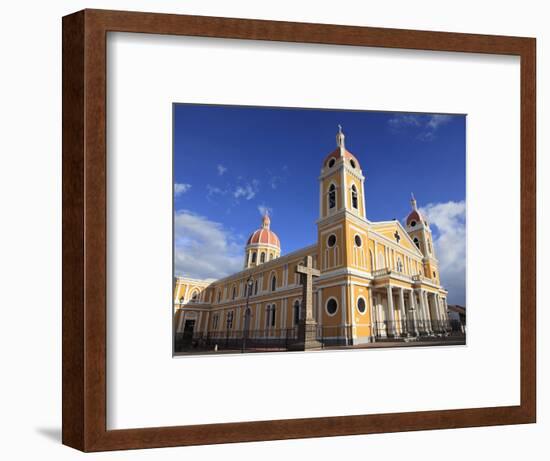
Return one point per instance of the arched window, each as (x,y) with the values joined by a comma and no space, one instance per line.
(229,322)
(195,296)
(354,197)
(399,265)
(416,242)
(273,283)
(273,315)
(331,196)
(234,294)
(270,314)
(262,257)
(270,256)
(296,312)
(381,263)
(254,257)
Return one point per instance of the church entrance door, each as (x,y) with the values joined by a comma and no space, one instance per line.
(188,330)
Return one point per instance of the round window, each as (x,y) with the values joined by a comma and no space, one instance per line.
(413,223)
(331,240)
(361,306)
(352,163)
(332,306)
(358,241)
(331,162)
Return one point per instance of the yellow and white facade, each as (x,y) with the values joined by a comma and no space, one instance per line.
(378,279)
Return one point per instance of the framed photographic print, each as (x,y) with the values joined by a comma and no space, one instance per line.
(351,281)
(307,230)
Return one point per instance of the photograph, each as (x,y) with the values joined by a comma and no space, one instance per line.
(317,229)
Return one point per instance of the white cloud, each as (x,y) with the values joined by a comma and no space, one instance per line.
(247,191)
(212,190)
(449,220)
(221,169)
(263,209)
(435,120)
(404,120)
(205,248)
(181,188)
(427,124)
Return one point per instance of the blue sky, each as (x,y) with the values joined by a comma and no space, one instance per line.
(232,162)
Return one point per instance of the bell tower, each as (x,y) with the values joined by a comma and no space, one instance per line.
(341,183)
(341,207)
(419,230)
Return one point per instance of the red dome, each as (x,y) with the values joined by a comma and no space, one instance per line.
(335,154)
(264,236)
(414,215)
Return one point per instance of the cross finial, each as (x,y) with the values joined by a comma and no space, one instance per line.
(340,137)
(413,201)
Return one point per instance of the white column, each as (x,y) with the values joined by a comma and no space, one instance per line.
(437,312)
(446,309)
(423,311)
(428,312)
(402,310)
(198,323)
(414,311)
(391,316)
(181,323)
(207,319)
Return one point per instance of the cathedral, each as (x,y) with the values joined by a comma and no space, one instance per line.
(377,281)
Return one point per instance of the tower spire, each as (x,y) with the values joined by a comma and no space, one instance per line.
(413,202)
(340,140)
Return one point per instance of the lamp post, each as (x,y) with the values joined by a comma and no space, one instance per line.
(179,319)
(249,284)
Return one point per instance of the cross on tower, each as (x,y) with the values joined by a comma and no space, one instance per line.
(307,272)
(397,236)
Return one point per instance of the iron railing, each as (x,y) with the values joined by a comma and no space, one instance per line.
(328,336)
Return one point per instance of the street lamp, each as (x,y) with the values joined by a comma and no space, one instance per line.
(249,284)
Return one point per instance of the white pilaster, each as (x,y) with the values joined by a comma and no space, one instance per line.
(344,311)
(372,314)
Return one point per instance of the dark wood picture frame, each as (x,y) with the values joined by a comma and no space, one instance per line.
(85,223)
